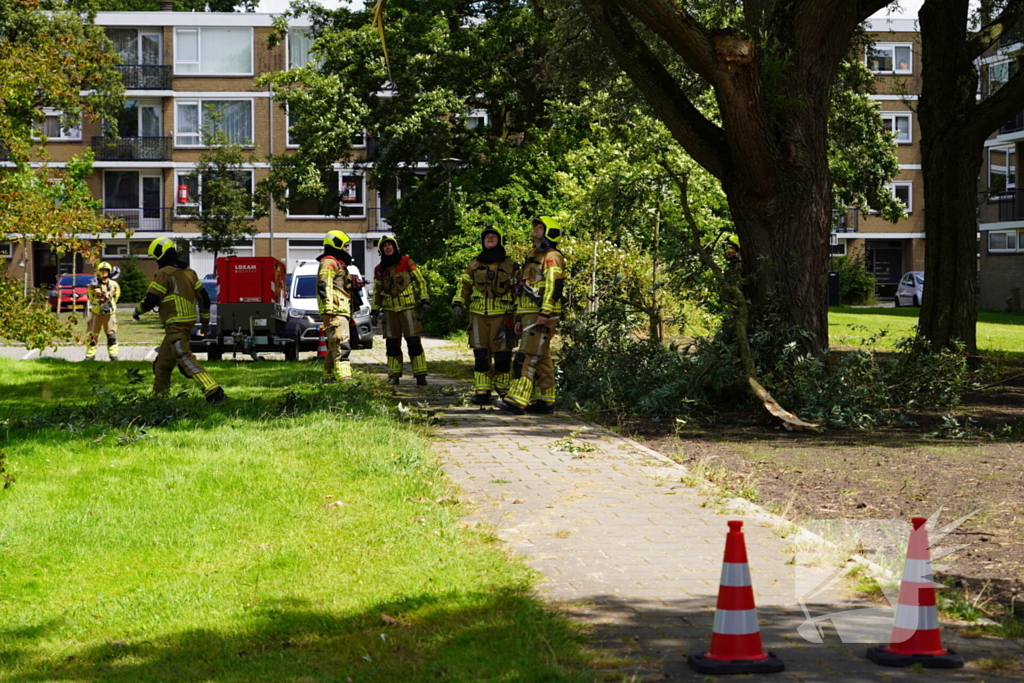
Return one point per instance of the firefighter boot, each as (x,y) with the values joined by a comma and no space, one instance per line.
(216,396)
(482,398)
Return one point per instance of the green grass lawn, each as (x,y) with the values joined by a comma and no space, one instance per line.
(296,533)
(148,330)
(998,333)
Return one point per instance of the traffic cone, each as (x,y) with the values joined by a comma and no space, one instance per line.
(736,637)
(915,632)
(321,346)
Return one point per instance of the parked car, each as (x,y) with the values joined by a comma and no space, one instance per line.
(910,291)
(210,285)
(71,292)
(304,316)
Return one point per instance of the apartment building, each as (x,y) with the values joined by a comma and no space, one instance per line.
(892,249)
(177,66)
(1001,208)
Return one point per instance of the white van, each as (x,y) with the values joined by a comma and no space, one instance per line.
(304,316)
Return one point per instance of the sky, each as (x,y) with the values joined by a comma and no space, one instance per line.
(909,7)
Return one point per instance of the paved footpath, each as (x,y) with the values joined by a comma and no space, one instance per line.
(628,549)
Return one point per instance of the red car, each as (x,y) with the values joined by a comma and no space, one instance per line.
(71,292)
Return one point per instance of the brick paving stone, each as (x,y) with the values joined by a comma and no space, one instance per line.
(627,549)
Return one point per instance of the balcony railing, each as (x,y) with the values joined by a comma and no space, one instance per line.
(132,149)
(143,219)
(377,219)
(1011,204)
(146,76)
(1013,125)
(848,221)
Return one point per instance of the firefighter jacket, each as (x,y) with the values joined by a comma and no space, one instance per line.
(101,293)
(398,287)
(489,287)
(178,290)
(541,283)
(334,288)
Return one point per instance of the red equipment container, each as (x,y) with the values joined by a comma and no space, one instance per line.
(250,279)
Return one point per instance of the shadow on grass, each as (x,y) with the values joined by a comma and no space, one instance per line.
(501,636)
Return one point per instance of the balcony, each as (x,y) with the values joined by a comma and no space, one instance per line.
(131,149)
(1011,204)
(848,221)
(377,219)
(1013,125)
(144,219)
(146,76)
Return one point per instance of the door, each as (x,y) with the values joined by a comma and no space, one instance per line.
(152,198)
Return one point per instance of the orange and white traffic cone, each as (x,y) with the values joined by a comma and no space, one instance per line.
(736,636)
(321,346)
(915,632)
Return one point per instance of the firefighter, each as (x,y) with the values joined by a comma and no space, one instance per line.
(103,296)
(538,309)
(397,286)
(335,288)
(176,289)
(488,283)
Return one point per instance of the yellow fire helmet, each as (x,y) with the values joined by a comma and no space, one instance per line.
(104,265)
(159,247)
(552,229)
(336,239)
(385,240)
(491,229)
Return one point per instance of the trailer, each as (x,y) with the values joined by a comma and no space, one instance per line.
(251,308)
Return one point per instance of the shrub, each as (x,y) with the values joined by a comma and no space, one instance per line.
(856,283)
(133,281)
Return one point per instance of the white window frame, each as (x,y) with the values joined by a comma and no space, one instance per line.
(838,249)
(66,134)
(342,173)
(1009,149)
(891,116)
(6,249)
(179,30)
(891,47)
(910,192)
(139,33)
(199,181)
(1006,234)
(201,103)
(485,119)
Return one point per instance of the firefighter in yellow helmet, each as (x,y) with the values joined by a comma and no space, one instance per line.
(538,309)
(335,288)
(397,287)
(103,295)
(487,283)
(176,290)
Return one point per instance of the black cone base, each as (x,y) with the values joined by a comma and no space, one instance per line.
(950,660)
(771,665)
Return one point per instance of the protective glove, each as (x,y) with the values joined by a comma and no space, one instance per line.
(135,315)
(457,311)
(204,330)
(374,318)
(424,307)
(105,308)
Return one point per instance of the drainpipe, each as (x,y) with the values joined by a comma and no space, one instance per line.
(270,89)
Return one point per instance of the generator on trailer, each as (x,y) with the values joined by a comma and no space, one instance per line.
(251,308)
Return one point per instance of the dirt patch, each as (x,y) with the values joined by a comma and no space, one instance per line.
(886,474)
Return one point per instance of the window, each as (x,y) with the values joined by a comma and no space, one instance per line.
(194,185)
(999,73)
(1002,169)
(344,195)
(6,250)
(213,51)
(899,125)
(838,249)
(136,46)
(57,130)
(300,43)
(477,119)
(904,193)
(890,58)
(234,117)
(126,248)
(1005,240)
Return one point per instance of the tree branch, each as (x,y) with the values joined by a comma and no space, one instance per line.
(679,30)
(702,139)
(997,109)
(990,34)
(865,8)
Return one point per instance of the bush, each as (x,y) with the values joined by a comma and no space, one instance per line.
(133,281)
(856,283)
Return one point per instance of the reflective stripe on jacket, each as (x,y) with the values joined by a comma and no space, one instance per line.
(334,281)
(399,287)
(177,289)
(543,274)
(489,287)
(103,291)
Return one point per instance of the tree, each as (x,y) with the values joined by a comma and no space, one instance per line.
(221,204)
(954,125)
(771,66)
(47,60)
(179,5)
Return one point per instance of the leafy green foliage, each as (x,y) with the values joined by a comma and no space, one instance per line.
(133,281)
(856,283)
(27,317)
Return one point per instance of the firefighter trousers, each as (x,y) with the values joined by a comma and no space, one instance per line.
(175,350)
(101,323)
(533,370)
(337,364)
(404,324)
(492,356)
